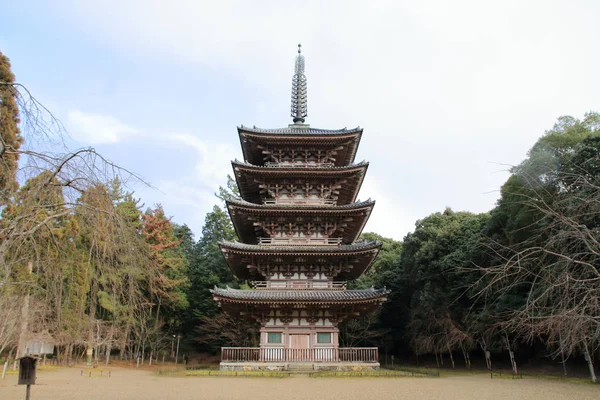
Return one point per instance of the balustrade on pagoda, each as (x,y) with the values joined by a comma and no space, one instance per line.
(299,241)
(299,285)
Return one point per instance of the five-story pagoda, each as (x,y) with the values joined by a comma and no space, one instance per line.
(298,222)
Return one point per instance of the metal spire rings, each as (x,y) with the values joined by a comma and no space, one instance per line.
(299,104)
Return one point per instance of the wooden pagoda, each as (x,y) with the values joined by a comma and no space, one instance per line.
(298,223)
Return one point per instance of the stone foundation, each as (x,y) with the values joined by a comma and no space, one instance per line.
(298,367)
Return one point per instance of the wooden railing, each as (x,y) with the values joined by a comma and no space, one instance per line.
(279,354)
(299,241)
(301,201)
(301,285)
(299,164)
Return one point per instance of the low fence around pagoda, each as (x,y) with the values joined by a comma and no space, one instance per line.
(277,354)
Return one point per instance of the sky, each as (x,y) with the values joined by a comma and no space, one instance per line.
(450,94)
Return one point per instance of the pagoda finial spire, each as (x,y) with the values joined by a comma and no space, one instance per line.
(299,106)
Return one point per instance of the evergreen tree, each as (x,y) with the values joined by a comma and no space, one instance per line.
(209,268)
(10,135)
(168,283)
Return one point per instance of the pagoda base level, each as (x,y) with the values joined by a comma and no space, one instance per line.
(299,366)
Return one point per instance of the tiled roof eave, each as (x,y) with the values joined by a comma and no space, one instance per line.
(300,207)
(379,299)
(300,169)
(300,296)
(300,131)
(242,248)
(299,302)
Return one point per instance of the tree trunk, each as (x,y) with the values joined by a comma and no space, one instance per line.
(123,344)
(97,354)
(89,351)
(92,320)
(22,342)
(6,364)
(513,362)
(590,363)
(69,357)
(562,354)
(157,315)
(483,346)
(450,352)
(58,358)
(466,357)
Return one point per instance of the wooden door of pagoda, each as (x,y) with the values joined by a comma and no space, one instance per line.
(299,347)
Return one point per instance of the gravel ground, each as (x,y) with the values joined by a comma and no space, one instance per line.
(135,384)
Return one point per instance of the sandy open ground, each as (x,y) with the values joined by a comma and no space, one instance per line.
(68,384)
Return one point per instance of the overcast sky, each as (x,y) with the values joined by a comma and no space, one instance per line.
(448,92)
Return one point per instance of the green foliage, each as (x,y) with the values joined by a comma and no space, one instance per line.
(208,268)
(396,373)
(230,192)
(246,374)
(10,134)
(429,297)
(383,265)
(169,280)
(107,272)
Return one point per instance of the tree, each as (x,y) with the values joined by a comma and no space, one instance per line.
(184,234)
(223,330)
(10,134)
(63,226)
(384,263)
(230,191)
(10,313)
(209,268)
(168,283)
(554,266)
(429,301)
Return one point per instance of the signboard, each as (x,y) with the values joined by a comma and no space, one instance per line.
(39,347)
(27,367)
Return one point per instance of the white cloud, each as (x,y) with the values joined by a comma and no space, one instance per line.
(213,161)
(390,217)
(189,195)
(89,128)
(444,90)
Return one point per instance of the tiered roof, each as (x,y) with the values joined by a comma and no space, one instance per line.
(243,214)
(347,216)
(246,177)
(361,254)
(297,297)
(253,139)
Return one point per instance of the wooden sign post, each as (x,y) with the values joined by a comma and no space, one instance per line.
(27,367)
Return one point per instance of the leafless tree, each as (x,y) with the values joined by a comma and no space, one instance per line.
(559,268)
(224,330)
(353,331)
(10,310)
(59,184)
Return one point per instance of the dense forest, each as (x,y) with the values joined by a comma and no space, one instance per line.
(85,266)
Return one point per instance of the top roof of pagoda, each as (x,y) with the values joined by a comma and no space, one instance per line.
(251,140)
(300,130)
